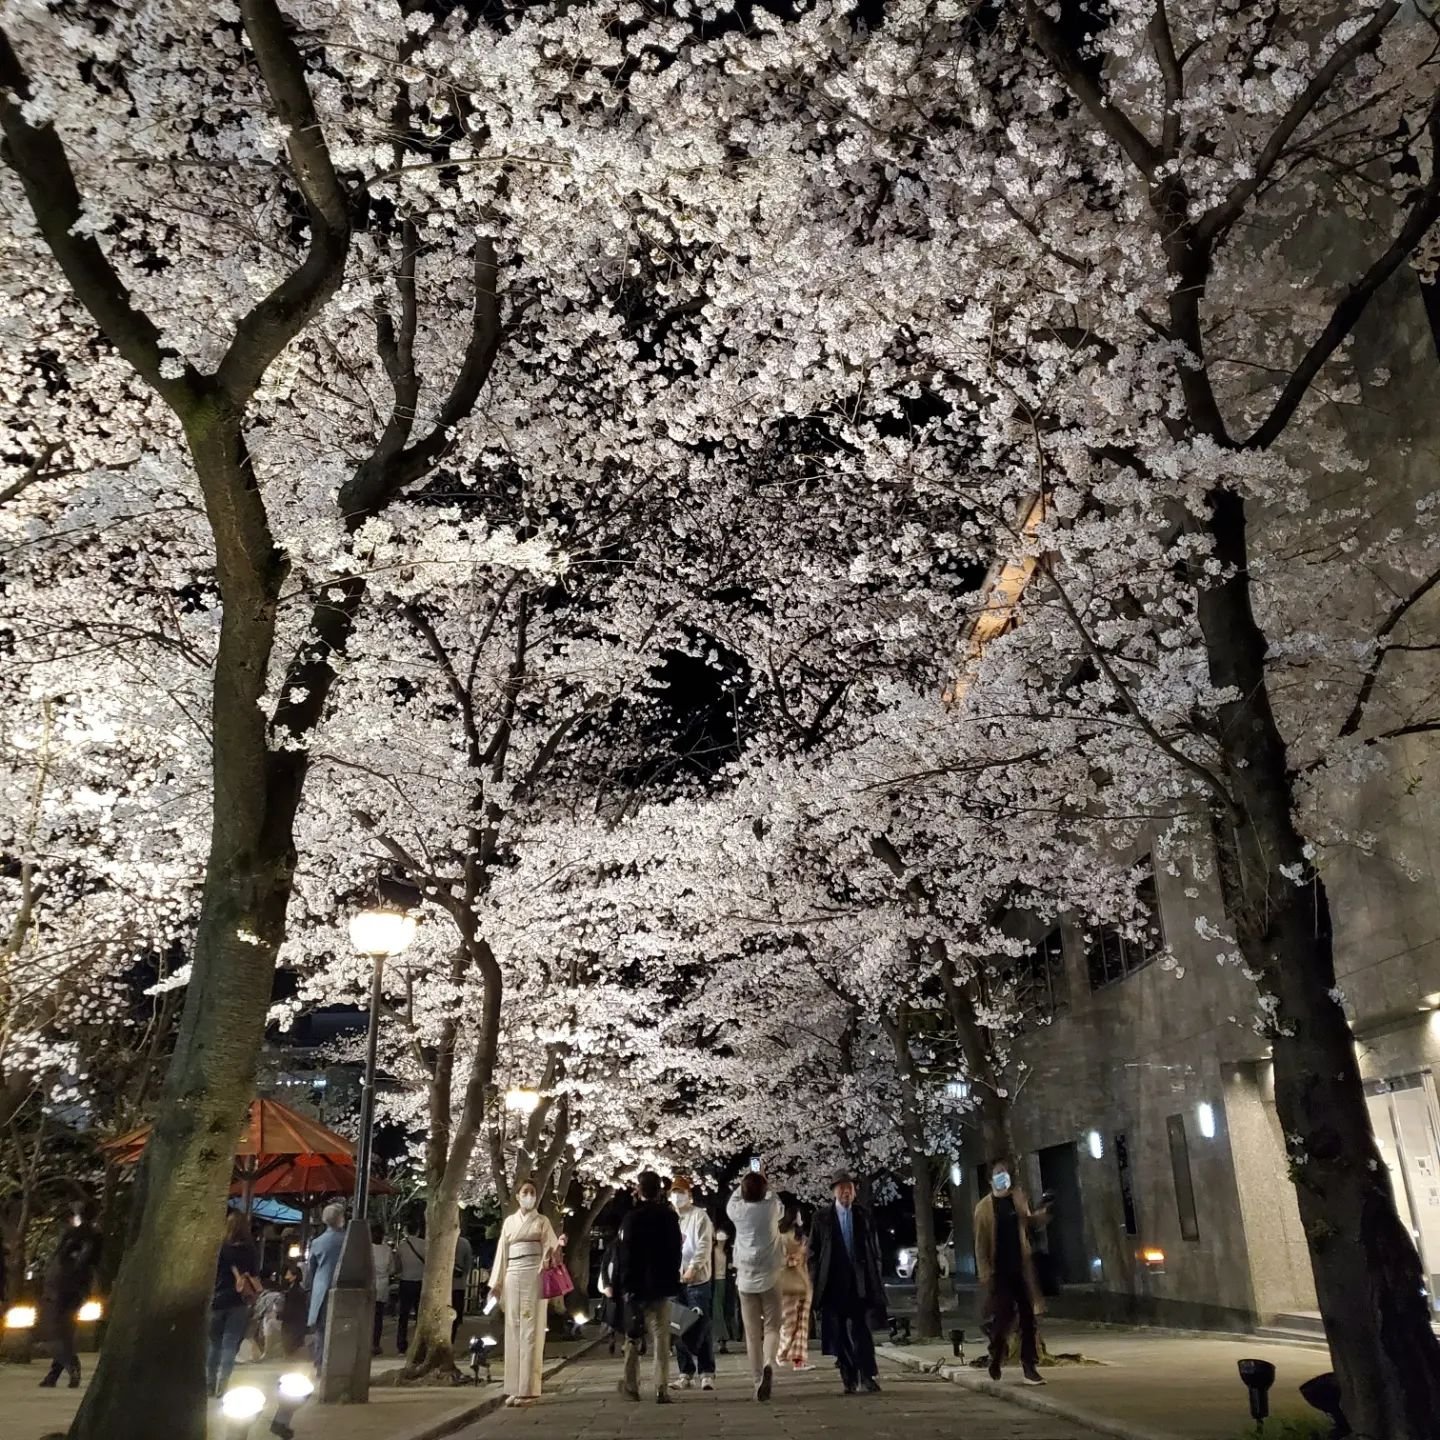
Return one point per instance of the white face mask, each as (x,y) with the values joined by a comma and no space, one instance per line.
(680,1200)
(1001,1181)
(527,1200)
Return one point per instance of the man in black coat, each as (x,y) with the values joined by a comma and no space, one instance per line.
(845,1276)
(646,1276)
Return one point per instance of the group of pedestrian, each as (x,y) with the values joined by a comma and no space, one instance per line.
(662,1273)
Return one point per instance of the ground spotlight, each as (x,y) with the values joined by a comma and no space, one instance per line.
(1257,1376)
(20,1317)
(240,1406)
(294,1389)
(957,1342)
(1323,1394)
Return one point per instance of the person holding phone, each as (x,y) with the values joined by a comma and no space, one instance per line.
(755,1212)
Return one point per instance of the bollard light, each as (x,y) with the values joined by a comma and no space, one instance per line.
(1258,1376)
(1322,1393)
(20,1317)
(90,1312)
(294,1390)
(900,1329)
(957,1341)
(240,1406)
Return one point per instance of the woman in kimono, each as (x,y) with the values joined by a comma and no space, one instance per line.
(528,1244)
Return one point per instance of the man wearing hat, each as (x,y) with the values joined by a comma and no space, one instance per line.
(695,1350)
(845,1276)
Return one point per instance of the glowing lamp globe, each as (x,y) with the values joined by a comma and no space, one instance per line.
(245,1402)
(296,1386)
(381,931)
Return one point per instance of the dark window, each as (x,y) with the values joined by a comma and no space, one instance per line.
(1184,1184)
(1040,988)
(1127,1184)
(1111,955)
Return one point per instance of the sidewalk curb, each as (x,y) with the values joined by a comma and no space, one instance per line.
(1026,1399)
(458,1418)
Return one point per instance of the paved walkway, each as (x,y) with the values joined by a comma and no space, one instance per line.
(29,1413)
(583,1405)
(1149,1384)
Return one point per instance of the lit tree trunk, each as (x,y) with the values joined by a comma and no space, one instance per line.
(448,1167)
(1368,1277)
(912,1127)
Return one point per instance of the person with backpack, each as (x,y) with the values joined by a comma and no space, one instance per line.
(237,1284)
(646,1277)
(411,1255)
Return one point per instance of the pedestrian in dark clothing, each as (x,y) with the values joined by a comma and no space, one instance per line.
(411,1254)
(65,1288)
(237,1283)
(1008,1289)
(647,1277)
(846,1285)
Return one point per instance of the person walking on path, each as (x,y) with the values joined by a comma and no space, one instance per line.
(759,1259)
(320,1272)
(460,1280)
(411,1255)
(695,1350)
(720,1293)
(65,1288)
(383,1258)
(237,1284)
(646,1277)
(528,1244)
(845,1282)
(795,1294)
(1008,1290)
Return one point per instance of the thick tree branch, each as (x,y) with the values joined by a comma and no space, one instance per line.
(1377,660)
(1116,124)
(1214,224)
(277,319)
(1423,214)
(38,156)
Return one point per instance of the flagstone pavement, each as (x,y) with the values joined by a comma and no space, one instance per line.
(582,1404)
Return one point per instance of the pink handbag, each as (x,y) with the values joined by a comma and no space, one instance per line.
(555,1281)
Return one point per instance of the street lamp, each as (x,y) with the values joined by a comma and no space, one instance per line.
(523,1102)
(378,932)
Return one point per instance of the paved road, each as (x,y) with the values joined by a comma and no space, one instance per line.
(583,1405)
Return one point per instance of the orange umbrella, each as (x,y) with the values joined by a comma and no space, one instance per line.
(279,1152)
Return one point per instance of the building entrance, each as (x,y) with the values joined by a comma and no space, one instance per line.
(1406,1120)
(1060,1174)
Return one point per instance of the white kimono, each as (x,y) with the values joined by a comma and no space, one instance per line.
(525,1241)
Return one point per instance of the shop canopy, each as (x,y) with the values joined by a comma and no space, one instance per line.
(279,1152)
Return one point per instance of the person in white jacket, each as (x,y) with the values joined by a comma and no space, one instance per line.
(695,1350)
(759,1259)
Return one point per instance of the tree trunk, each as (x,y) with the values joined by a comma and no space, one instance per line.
(163,1291)
(1368,1278)
(927,1261)
(431,1350)
(927,1258)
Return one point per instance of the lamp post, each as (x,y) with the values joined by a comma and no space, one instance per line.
(378,932)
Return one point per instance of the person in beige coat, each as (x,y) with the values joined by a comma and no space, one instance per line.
(1008,1289)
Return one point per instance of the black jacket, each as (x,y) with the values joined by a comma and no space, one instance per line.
(647,1254)
(836,1278)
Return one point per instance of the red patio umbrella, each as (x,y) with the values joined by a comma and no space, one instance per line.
(279,1152)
